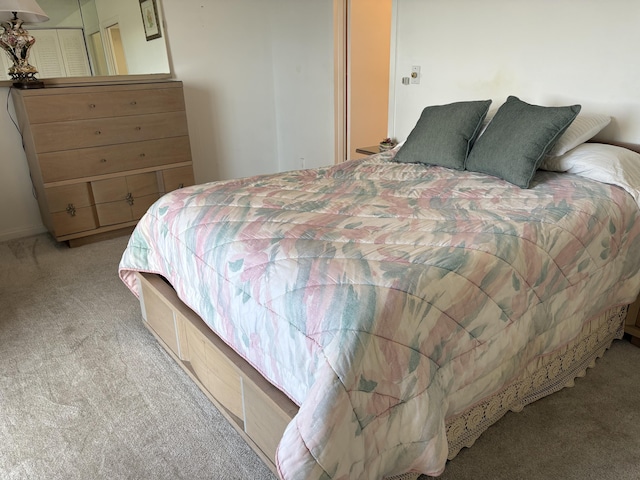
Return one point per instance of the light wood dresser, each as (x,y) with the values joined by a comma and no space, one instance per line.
(100,155)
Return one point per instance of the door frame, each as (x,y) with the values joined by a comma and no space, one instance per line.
(340,83)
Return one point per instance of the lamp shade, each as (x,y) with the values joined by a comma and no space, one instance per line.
(27,10)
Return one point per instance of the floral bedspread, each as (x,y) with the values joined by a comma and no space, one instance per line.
(373,292)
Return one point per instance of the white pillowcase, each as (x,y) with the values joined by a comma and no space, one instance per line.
(584,127)
(604,163)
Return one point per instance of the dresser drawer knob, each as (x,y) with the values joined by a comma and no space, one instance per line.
(181,185)
(71,210)
(103,160)
(134,103)
(142,155)
(138,128)
(98,132)
(129,198)
(92,105)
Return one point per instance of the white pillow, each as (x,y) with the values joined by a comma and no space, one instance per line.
(584,127)
(604,163)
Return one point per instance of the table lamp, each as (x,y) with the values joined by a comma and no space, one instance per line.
(17,42)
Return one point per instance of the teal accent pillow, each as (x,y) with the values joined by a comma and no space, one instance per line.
(519,136)
(444,134)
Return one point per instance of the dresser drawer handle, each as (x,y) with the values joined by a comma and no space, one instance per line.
(98,132)
(138,128)
(134,103)
(71,210)
(129,198)
(181,185)
(92,105)
(142,155)
(103,160)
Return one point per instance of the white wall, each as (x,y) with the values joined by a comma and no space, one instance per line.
(549,52)
(258,79)
(19,215)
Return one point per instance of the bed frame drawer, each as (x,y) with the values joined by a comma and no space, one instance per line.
(218,376)
(254,407)
(632,323)
(265,425)
(159,316)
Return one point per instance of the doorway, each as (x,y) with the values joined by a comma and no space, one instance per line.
(96,54)
(115,51)
(362,48)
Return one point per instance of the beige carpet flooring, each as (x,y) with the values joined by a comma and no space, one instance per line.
(86,392)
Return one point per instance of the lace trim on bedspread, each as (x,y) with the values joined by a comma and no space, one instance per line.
(553,372)
(544,376)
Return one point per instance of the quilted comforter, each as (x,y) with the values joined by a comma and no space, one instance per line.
(373,293)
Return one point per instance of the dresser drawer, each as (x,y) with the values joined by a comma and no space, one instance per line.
(77,195)
(122,188)
(142,204)
(175,178)
(85,162)
(81,220)
(82,106)
(126,198)
(53,137)
(71,209)
(112,213)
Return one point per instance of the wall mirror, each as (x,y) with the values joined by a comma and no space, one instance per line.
(97,38)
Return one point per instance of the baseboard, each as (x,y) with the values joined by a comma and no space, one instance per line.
(21,232)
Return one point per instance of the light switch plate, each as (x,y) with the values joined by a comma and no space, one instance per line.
(415,74)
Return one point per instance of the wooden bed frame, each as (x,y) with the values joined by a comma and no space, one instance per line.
(260,412)
(255,408)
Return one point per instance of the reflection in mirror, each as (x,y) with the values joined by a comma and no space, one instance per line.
(93,38)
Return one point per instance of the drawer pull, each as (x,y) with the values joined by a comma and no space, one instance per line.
(138,128)
(142,155)
(92,105)
(71,210)
(98,132)
(129,198)
(181,185)
(134,103)
(103,160)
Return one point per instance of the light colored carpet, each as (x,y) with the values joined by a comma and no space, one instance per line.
(86,392)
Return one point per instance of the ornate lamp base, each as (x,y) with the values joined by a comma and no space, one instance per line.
(17,42)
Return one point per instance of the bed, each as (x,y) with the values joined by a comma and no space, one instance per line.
(370,319)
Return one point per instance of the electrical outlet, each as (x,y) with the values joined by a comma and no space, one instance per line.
(415,74)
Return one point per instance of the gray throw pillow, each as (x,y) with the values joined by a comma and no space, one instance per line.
(517,139)
(444,134)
